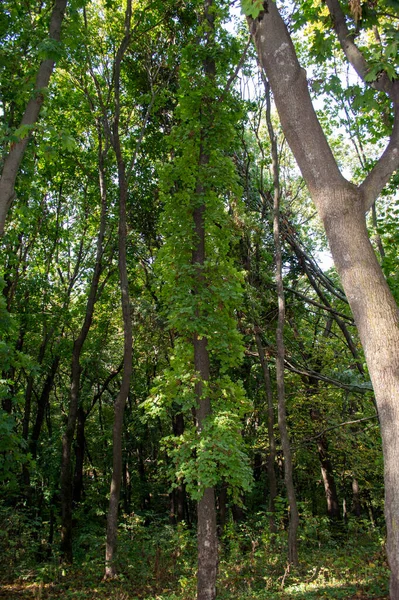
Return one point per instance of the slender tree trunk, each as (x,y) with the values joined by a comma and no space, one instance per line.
(42,405)
(222,501)
(66,458)
(179,493)
(120,402)
(282,417)
(79,456)
(356,506)
(327,474)
(206,509)
(271,458)
(13,160)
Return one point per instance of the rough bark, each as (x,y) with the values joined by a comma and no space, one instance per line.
(13,160)
(342,207)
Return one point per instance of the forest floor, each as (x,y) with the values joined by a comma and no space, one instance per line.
(159,564)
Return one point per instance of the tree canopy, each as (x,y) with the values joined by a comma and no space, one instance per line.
(198,311)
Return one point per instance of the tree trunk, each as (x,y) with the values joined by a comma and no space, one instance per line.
(327,474)
(206,507)
(271,458)
(67,438)
(13,160)
(179,493)
(342,207)
(42,405)
(79,456)
(282,415)
(120,402)
(356,506)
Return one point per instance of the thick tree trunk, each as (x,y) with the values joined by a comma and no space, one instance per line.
(342,207)
(13,159)
(206,508)
(377,318)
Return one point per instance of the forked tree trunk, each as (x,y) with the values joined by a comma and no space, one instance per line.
(67,438)
(13,159)
(342,208)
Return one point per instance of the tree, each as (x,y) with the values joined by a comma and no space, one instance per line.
(342,207)
(17,148)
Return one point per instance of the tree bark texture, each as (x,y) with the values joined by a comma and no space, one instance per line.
(342,207)
(13,160)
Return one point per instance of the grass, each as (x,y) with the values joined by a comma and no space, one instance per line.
(158,563)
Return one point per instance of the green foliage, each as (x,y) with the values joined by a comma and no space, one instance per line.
(252,8)
(203,299)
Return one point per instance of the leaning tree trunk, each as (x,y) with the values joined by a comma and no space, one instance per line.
(13,159)
(342,208)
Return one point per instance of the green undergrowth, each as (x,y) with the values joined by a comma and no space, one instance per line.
(158,561)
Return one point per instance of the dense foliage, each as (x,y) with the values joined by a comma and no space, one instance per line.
(60,261)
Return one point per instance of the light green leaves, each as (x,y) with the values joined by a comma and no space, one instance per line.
(251,8)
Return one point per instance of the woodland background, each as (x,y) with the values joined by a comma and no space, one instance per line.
(110,170)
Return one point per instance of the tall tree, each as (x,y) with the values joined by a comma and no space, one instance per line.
(201,284)
(17,149)
(280,346)
(342,207)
